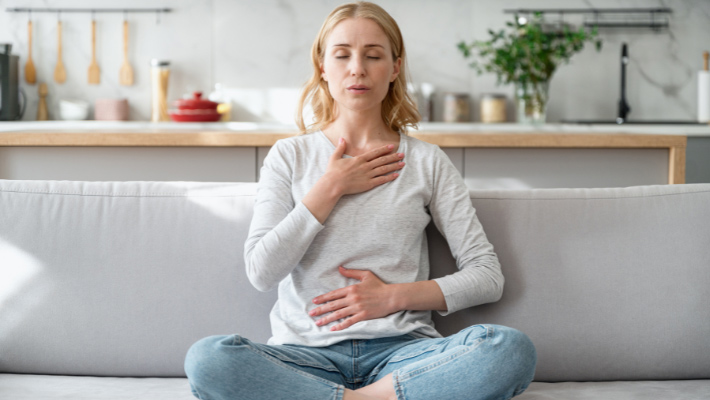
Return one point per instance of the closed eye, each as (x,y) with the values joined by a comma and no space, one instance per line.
(374,58)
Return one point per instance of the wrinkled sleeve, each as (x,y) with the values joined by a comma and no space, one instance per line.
(280,231)
(479,279)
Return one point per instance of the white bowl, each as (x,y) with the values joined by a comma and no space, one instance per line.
(73,110)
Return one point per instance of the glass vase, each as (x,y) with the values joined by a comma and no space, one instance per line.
(531,101)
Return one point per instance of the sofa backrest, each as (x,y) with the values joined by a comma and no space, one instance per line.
(120,278)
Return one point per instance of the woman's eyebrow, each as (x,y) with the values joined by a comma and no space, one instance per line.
(367,45)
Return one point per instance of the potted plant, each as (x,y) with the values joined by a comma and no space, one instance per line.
(528,55)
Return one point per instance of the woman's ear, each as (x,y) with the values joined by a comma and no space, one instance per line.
(397,66)
(322,73)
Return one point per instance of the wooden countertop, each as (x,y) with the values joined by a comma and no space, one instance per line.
(91,133)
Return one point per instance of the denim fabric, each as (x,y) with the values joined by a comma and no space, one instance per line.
(479,362)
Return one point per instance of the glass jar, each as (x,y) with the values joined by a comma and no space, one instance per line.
(159,75)
(456,107)
(493,108)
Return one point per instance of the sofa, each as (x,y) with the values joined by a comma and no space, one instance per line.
(105,285)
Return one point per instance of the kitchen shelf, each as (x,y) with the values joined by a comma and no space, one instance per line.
(656,18)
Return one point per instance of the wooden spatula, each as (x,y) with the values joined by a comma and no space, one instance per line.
(126,73)
(30,73)
(60,74)
(94,72)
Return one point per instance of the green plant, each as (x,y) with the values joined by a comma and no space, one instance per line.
(527,54)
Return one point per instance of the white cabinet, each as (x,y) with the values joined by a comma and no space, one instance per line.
(101,163)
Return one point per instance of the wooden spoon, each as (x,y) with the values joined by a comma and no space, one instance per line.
(60,74)
(94,72)
(126,73)
(30,73)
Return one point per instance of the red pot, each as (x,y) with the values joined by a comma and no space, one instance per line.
(194,110)
(194,115)
(195,103)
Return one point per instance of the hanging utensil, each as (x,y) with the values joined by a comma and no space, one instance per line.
(60,74)
(126,73)
(30,73)
(94,71)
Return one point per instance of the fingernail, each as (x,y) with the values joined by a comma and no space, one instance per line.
(332,329)
(401,163)
(395,174)
(400,155)
(319,322)
(341,140)
(312,313)
(390,146)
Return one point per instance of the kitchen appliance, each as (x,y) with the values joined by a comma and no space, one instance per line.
(195,109)
(9,85)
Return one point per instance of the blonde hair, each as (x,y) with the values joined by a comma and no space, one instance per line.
(398,109)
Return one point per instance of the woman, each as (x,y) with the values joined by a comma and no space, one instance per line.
(339,226)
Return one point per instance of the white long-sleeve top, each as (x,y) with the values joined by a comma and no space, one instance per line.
(381,230)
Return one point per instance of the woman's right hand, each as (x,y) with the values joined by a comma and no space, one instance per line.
(364,172)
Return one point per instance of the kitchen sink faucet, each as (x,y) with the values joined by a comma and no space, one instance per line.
(624,108)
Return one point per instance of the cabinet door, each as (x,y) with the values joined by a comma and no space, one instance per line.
(202,164)
(697,160)
(524,168)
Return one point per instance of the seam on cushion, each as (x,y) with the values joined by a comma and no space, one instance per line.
(123,194)
(592,198)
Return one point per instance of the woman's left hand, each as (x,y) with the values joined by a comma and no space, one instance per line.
(369,299)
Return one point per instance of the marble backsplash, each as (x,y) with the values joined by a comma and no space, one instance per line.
(259,51)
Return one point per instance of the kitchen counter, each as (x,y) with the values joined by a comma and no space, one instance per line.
(456,137)
(253,127)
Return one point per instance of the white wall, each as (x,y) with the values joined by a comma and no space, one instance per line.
(265,44)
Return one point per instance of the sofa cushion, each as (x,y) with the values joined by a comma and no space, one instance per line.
(121,278)
(610,284)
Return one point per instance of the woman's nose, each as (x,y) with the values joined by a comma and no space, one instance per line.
(356,66)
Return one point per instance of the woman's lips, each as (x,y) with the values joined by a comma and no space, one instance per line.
(358,91)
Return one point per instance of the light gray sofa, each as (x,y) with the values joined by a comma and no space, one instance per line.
(105,285)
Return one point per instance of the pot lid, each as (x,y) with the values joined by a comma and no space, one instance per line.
(195,103)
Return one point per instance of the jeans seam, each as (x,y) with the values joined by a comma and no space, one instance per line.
(398,389)
(427,350)
(446,360)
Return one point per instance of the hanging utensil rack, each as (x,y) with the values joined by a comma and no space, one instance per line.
(30,10)
(654,18)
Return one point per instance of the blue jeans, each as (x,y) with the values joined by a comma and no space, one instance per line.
(480,362)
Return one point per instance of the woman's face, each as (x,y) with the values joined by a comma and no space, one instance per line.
(358,54)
